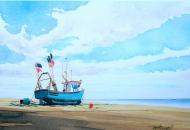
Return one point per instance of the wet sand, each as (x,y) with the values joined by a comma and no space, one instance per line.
(103,116)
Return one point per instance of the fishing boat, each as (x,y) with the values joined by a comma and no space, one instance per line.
(71,93)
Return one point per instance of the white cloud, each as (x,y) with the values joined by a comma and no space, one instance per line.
(19,43)
(125,66)
(103,23)
(99,23)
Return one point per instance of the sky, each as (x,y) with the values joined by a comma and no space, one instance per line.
(119,49)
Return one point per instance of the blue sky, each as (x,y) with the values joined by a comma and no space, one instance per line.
(126,49)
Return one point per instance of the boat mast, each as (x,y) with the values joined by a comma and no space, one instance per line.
(66,67)
(71,74)
(51,65)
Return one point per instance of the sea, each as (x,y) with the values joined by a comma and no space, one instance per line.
(179,103)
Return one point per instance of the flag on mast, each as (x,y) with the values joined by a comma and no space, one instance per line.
(50,60)
(38,67)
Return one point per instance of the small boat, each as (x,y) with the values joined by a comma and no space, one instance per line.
(71,94)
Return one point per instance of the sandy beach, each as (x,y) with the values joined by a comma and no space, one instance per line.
(103,116)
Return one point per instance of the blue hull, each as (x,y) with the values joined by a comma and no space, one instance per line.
(59,98)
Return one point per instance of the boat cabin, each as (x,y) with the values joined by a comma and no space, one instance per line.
(71,86)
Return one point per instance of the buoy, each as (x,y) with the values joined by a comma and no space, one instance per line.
(91,105)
